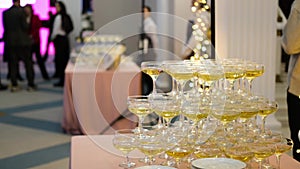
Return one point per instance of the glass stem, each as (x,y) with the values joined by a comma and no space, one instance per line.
(181,87)
(154,85)
(250,86)
(141,119)
(260,164)
(127,160)
(278,161)
(263,124)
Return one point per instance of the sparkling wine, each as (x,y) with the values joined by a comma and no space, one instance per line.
(234,75)
(168,114)
(251,74)
(211,153)
(210,77)
(195,116)
(124,147)
(248,113)
(265,111)
(182,75)
(178,153)
(226,116)
(152,72)
(150,150)
(281,148)
(139,111)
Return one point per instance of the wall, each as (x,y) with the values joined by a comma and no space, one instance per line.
(108,11)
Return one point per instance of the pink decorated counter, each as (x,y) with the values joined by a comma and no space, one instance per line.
(96,152)
(94,98)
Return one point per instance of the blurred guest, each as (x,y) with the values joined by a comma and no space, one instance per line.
(18,44)
(34,31)
(149,42)
(2,86)
(61,28)
(49,24)
(6,59)
(291,45)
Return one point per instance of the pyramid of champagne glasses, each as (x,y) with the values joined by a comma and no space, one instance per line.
(210,112)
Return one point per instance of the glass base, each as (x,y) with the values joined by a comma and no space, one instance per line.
(127,164)
(146,160)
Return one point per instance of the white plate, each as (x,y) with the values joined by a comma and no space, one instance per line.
(155,167)
(218,163)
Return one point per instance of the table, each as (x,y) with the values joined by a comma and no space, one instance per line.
(97,152)
(94,98)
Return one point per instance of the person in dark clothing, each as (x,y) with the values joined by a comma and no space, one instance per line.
(61,42)
(34,31)
(2,86)
(18,44)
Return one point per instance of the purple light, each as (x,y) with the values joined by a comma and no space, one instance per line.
(41,8)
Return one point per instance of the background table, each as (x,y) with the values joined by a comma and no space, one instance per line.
(94,98)
(95,152)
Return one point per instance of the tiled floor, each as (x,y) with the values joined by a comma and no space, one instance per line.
(30,132)
(31,136)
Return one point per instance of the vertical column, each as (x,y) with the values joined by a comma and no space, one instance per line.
(247,30)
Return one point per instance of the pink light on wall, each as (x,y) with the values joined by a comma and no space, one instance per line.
(41,8)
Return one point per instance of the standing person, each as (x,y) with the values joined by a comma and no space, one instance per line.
(2,86)
(61,28)
(150,28)
(291,45)
(34,31)
(150,41)
(18,44)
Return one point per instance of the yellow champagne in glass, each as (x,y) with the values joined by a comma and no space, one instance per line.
(241,153)
(179,153)
(252,74)
(266,108)
(153,69)
(152,72)
(227,116)
(167,114)
(234,75)
(125,147)
(140,106)
(282,148)
(210,77)
(253,70)
(182,75)
(248,113)
(139,111)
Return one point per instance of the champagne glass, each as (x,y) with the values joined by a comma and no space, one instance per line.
(182,73)
(266,108)
(253,70)
(284,145)
(166,105)
(194,108)
(226,114)
(262,149)
(233,71)
(140,106)
(207,150)
(151,142)
(240,152)
(124,140)
(178,144)
(153,69)
(209,72)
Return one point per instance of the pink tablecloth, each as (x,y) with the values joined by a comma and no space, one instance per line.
(97,152)
(94,98)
